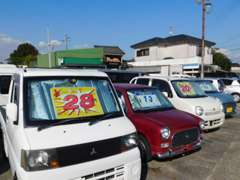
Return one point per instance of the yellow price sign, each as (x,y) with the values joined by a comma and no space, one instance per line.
(186,88)
(74,102)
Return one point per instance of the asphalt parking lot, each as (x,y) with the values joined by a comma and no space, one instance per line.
(219,158)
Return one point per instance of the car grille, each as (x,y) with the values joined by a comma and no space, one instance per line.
(116,173)
(185,137)
(213,122)
(88,152)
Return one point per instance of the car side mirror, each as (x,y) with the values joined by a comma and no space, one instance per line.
(11,112)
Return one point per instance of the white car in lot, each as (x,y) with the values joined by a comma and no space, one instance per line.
(187,96)
(232,86)
(67,125)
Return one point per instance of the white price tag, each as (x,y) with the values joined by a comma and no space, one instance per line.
(150,100)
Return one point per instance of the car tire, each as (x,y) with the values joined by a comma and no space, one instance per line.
(145,149)
(236,97)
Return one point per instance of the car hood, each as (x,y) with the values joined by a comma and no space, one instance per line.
(224,98)
(74,134)
(173,119)
(207,103)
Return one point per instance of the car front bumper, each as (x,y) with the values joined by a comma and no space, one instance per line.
(173,152)
(213,121)
(123,166)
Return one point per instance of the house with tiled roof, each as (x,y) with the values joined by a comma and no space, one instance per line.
(179,52)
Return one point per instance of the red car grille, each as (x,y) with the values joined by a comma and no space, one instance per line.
(185,137)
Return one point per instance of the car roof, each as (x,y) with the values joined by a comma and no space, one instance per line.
(168,78)
(127,86)
(31,72)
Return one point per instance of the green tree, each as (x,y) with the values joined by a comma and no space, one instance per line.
(25,54)
(222,60)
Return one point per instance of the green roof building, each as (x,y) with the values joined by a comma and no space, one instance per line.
(108,56)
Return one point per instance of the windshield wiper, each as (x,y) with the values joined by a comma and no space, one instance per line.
(104,117)
(94,121)
(60,122)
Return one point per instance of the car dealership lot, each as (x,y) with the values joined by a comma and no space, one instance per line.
(219,158)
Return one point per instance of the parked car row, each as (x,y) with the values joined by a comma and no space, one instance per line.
(75,124)
(186,95)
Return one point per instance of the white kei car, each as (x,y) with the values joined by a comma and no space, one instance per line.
(187,96)
(232,86)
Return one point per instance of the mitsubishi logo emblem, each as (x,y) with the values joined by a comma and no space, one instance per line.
(186,136)
(93,152)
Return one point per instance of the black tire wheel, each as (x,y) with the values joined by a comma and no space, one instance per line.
(236,97)
(145,149)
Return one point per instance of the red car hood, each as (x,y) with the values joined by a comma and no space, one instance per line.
(173,119)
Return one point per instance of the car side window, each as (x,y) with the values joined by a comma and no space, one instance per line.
(227,81)
(133,81)
(142,81)
(163,86)
(4,84)
(220,85)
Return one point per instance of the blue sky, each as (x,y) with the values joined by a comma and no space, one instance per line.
(115,22)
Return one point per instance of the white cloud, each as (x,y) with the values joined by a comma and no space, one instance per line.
(55,43)
(79,46)
(233,54)
(7,45)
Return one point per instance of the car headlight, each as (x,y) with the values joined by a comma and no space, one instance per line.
(199,110)
(165,133)
(129,142)
(221,108)
(35,160)
(201,124)
(221,104)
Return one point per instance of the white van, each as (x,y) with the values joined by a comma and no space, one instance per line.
(187,96)
(67,125)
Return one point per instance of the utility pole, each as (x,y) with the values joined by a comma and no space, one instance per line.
(66,41)
(203,36)
(206,7)
(49,48)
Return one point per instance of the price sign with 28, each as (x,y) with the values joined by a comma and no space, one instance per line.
(73,102)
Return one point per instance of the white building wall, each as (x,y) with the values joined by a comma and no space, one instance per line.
(180,51)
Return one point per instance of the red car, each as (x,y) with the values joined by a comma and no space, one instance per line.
(164,132)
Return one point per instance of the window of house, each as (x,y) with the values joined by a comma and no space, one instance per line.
(199,51)
(143,52)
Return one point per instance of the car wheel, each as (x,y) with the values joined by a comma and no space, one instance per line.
(145,149)
(236,97)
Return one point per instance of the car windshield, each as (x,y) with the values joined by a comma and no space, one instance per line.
(187,89)
(50,100)
(148,100)
(207,86)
